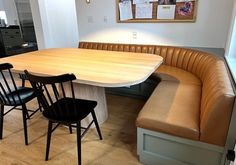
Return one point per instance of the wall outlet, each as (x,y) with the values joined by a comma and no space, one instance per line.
(105,19)
(134,35)
(90,19)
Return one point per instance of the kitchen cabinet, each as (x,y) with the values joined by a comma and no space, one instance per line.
(10,41)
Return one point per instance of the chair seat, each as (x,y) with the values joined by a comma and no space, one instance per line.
(64,110)
(26,94)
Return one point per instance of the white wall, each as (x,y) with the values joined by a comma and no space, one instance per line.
(38,26)
(1,5)
(210,30)
(56,23)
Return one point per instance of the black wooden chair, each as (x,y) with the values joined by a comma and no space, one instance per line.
(30,112)
(13,95)
(61,107)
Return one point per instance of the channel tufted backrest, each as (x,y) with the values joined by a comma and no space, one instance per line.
(217,93)
(187,59)
(118,47)
(216,104)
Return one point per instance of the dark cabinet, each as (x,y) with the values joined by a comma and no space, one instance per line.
(10,41)
(143,90)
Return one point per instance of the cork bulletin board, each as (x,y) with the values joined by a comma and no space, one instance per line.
(146,11)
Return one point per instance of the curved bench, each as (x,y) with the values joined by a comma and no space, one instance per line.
(186,119)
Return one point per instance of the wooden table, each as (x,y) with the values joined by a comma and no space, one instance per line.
(94,70)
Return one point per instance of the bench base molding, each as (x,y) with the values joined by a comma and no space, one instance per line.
(158,148)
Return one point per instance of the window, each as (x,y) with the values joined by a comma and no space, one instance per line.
(3,16)
(232,46)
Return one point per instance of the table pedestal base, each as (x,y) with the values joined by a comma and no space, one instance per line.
(89,92)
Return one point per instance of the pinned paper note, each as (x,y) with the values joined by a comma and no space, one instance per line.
(140,1)
(166,12)
(166,2)
(184,0)
(184,9)
(125,8)
(143,10)
(132,11)
(143,1)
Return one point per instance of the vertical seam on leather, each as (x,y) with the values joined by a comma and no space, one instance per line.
(191,53)
(184,54)
(194,63)
(171,59)
(165,55)
(178,58)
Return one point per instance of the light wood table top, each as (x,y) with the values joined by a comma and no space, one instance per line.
(92,67)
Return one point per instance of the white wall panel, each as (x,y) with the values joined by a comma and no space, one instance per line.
(210,29)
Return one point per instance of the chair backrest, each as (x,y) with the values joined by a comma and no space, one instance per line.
(9,94)
(52,89)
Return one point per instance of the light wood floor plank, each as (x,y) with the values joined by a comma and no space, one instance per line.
(117,148)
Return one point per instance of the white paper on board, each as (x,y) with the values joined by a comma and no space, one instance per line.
(125,10)
(166,12)
(184,0)
(140,1)
(143,10)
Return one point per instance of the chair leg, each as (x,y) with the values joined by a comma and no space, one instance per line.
(1,120)
(48,139)
(78,130)
(40,106)
(70,129)
(96,124)
(23,83)
(24,114)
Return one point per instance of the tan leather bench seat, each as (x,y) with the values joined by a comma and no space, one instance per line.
(193,100)
(195,93)
(169,73)
(173,108)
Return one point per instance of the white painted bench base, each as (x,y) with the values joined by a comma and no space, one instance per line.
(156,148)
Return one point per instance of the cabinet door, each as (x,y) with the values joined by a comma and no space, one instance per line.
(12,41)
(10,32)
(11,37)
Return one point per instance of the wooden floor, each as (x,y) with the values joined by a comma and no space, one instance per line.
(118,146)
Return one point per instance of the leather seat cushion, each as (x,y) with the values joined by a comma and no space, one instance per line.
(169,73)
(173,108)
